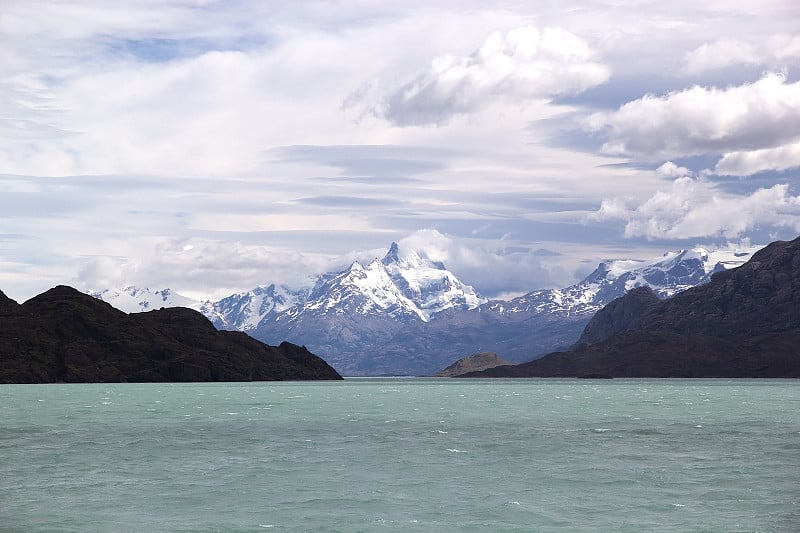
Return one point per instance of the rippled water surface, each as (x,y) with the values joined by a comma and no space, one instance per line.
(402,455)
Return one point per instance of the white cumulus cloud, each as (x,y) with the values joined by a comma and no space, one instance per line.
(493,267)
(693,208)
(702,120)
(720,54)
(746,163)
(521,65)
(671,170)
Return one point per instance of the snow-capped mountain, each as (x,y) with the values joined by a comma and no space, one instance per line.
(359,290)
(136,300)
(351,314)
(407,314)
(428,284)
(399,286)
(667,275)
(244,311)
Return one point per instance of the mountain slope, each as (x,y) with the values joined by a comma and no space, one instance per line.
(244,311)
(619,316)
(428,284)
(65,335)
(744,323)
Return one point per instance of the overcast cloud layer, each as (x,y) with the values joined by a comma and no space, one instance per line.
(214,146)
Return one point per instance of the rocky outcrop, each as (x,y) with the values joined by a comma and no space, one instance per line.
(744,323)
(7,305)
(472,363)
(64,335)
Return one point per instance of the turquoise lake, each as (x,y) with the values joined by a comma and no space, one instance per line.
(402,455)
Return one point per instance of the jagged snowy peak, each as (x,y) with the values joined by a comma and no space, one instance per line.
(244,311)
(136,300)
(360,290)
(428,283)
(400,285)
(667,275)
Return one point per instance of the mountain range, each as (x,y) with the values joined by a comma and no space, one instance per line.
(745,322)
(406,314)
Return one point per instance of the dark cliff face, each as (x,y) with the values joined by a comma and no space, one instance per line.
(65,335)
(622,314)
(744,323)
(7,305)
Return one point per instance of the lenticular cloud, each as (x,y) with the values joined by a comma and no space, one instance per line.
(521,65)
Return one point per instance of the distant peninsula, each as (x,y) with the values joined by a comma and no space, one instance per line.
(472,363)
(64,335)
(744,323)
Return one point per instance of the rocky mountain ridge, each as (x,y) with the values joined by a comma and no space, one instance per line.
(63,335)
(745,322)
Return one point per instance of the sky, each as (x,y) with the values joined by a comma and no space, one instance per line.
(213,146)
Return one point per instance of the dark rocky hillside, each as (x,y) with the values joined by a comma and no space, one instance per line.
(744,323)
(64,335)
(620,315)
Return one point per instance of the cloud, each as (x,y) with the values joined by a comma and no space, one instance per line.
(692,209)
(747,163)
(192,266)
(671,170)
(370,160)
(521,65)
(348,202)
(700,120)
(719,54)
(491,266)
(774,51)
